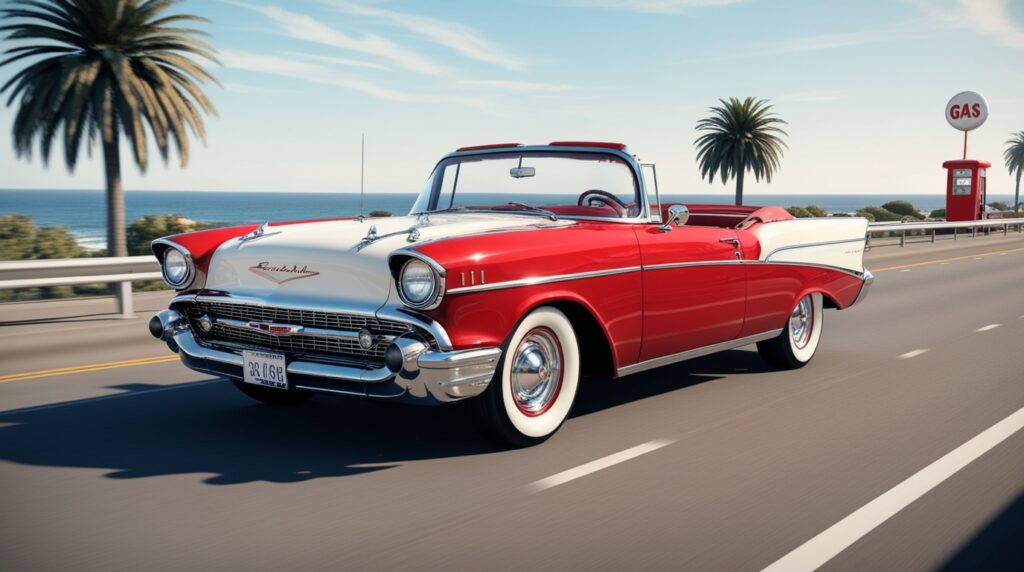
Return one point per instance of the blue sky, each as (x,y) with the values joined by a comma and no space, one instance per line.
(862,84)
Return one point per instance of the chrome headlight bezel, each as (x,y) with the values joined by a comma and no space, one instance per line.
(433,298)
(190,268)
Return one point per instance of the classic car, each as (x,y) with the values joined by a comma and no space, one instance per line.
(519,271)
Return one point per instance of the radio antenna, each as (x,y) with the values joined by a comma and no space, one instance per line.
(362,169)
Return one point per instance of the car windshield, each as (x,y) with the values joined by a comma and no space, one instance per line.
(562,185)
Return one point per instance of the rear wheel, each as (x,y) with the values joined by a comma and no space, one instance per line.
(536,382)
(271,396)
(796,345)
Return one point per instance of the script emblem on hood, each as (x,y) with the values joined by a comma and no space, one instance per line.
(281,273)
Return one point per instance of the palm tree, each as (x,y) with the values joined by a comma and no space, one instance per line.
(103,69)
(1014,156)
(741,136)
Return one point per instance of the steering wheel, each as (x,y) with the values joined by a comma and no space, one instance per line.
(604,197)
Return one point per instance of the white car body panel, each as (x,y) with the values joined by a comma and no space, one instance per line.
(325,262)
(836,242)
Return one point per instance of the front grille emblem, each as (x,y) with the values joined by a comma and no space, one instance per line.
(276,329)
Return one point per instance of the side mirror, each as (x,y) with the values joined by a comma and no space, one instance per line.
(678,215)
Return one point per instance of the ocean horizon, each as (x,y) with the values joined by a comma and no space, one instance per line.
(84,211)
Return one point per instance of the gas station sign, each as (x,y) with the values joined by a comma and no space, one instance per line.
(967,110)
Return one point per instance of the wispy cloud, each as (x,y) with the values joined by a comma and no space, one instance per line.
(306,28)
(811,97)
(515,85)
(458,37)
(298,69)
(339,61)
(986,17)
(234,87)
(810,44)
(306,71)
(652,6)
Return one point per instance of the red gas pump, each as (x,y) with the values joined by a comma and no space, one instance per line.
(965,190)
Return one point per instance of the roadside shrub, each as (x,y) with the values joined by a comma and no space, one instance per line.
(841,214)
(817,211)
(878,214)
(1000,206)
(378,214)
(799,212)
(145,230)
(938,213)
(900,207)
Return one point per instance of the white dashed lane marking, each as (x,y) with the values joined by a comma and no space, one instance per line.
(812,554)
(987,328)
(912,354)
(594,466)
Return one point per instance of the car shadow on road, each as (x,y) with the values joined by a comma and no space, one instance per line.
(210,428)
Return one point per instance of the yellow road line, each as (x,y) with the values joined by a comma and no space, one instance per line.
(86,368)
(941,260)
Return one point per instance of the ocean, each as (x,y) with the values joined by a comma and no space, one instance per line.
(84,211)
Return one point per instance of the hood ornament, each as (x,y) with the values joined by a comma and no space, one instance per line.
(258,233)
(412,232)
(281,273)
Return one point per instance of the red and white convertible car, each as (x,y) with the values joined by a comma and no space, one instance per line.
(519,271)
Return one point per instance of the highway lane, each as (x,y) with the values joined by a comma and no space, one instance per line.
(154,466)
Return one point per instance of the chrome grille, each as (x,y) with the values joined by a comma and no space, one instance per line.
(333,346)
(307,318)
(298,343)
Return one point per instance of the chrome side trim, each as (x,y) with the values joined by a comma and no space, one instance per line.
(542,280)
(811,245)
(695,353)
(594,274)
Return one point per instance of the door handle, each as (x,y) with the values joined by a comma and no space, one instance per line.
(734,241)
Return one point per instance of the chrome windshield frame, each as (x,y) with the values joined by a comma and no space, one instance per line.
(643,217)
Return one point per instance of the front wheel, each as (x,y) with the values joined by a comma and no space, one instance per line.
(796,345)
(536,383)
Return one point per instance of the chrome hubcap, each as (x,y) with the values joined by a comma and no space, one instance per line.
(800,322)
(536,371)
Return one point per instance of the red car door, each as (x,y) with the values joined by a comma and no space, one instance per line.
(694,289)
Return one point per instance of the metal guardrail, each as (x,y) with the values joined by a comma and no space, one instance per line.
(70,271)
(929,230)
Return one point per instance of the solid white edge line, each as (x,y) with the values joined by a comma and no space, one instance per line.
(840,536)
(594,466)
(89,400)
(987,328)
(912,354)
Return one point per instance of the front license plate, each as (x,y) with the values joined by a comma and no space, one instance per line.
(266,369)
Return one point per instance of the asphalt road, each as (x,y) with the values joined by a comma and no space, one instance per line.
(911,408)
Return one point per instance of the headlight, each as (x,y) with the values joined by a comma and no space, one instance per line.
(418,284)
(177,268)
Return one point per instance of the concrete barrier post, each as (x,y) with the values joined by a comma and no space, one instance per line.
(125,307)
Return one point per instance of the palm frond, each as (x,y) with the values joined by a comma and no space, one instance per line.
(101,69)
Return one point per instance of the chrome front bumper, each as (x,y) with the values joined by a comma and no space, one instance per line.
(424,375)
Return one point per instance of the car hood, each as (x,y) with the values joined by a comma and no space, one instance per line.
(324,263)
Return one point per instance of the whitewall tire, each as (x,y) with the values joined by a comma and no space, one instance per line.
(534,389)
(795,346)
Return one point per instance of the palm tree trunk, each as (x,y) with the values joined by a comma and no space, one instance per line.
(1016,195)
(739,187)
(116,245)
